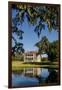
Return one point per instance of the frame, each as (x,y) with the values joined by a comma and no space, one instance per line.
(39,66)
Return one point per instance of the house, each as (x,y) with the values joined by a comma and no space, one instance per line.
(38,58)
(30,56)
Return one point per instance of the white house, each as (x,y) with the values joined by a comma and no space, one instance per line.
(31,56)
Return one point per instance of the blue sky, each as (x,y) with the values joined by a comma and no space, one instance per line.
(30,37)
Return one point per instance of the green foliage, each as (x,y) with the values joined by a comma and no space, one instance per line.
(43,45)
(18,48)
(43,14)
(51,49)
(16,32)
(53,53)
(44,59)
(18,57)
(37,16)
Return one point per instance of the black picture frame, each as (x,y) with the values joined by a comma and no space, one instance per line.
(10,41)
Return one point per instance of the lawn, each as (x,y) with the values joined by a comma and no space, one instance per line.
(17,65)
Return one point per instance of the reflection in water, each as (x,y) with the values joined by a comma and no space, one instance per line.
(34,76)
(53,76)
(32,71)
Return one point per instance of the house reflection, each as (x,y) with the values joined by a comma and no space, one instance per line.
(32,71)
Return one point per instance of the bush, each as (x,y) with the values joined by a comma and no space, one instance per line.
(44,59)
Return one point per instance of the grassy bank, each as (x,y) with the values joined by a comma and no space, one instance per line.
(17,65)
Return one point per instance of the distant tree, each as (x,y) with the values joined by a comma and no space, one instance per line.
(51,49)
(53,53)
(42,45)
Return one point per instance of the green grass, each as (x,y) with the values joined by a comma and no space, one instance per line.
(17,65)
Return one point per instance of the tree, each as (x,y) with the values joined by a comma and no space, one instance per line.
(43,45)
(16,32)
(53,53)
(50,48)
(37,16)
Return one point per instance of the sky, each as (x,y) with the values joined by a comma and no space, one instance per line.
(30,37)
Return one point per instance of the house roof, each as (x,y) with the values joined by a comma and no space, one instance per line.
(31,52)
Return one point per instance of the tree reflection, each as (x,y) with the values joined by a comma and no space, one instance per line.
(53,76)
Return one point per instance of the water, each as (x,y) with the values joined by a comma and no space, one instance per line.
(33,77)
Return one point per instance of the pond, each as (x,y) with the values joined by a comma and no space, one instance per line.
(34,77)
